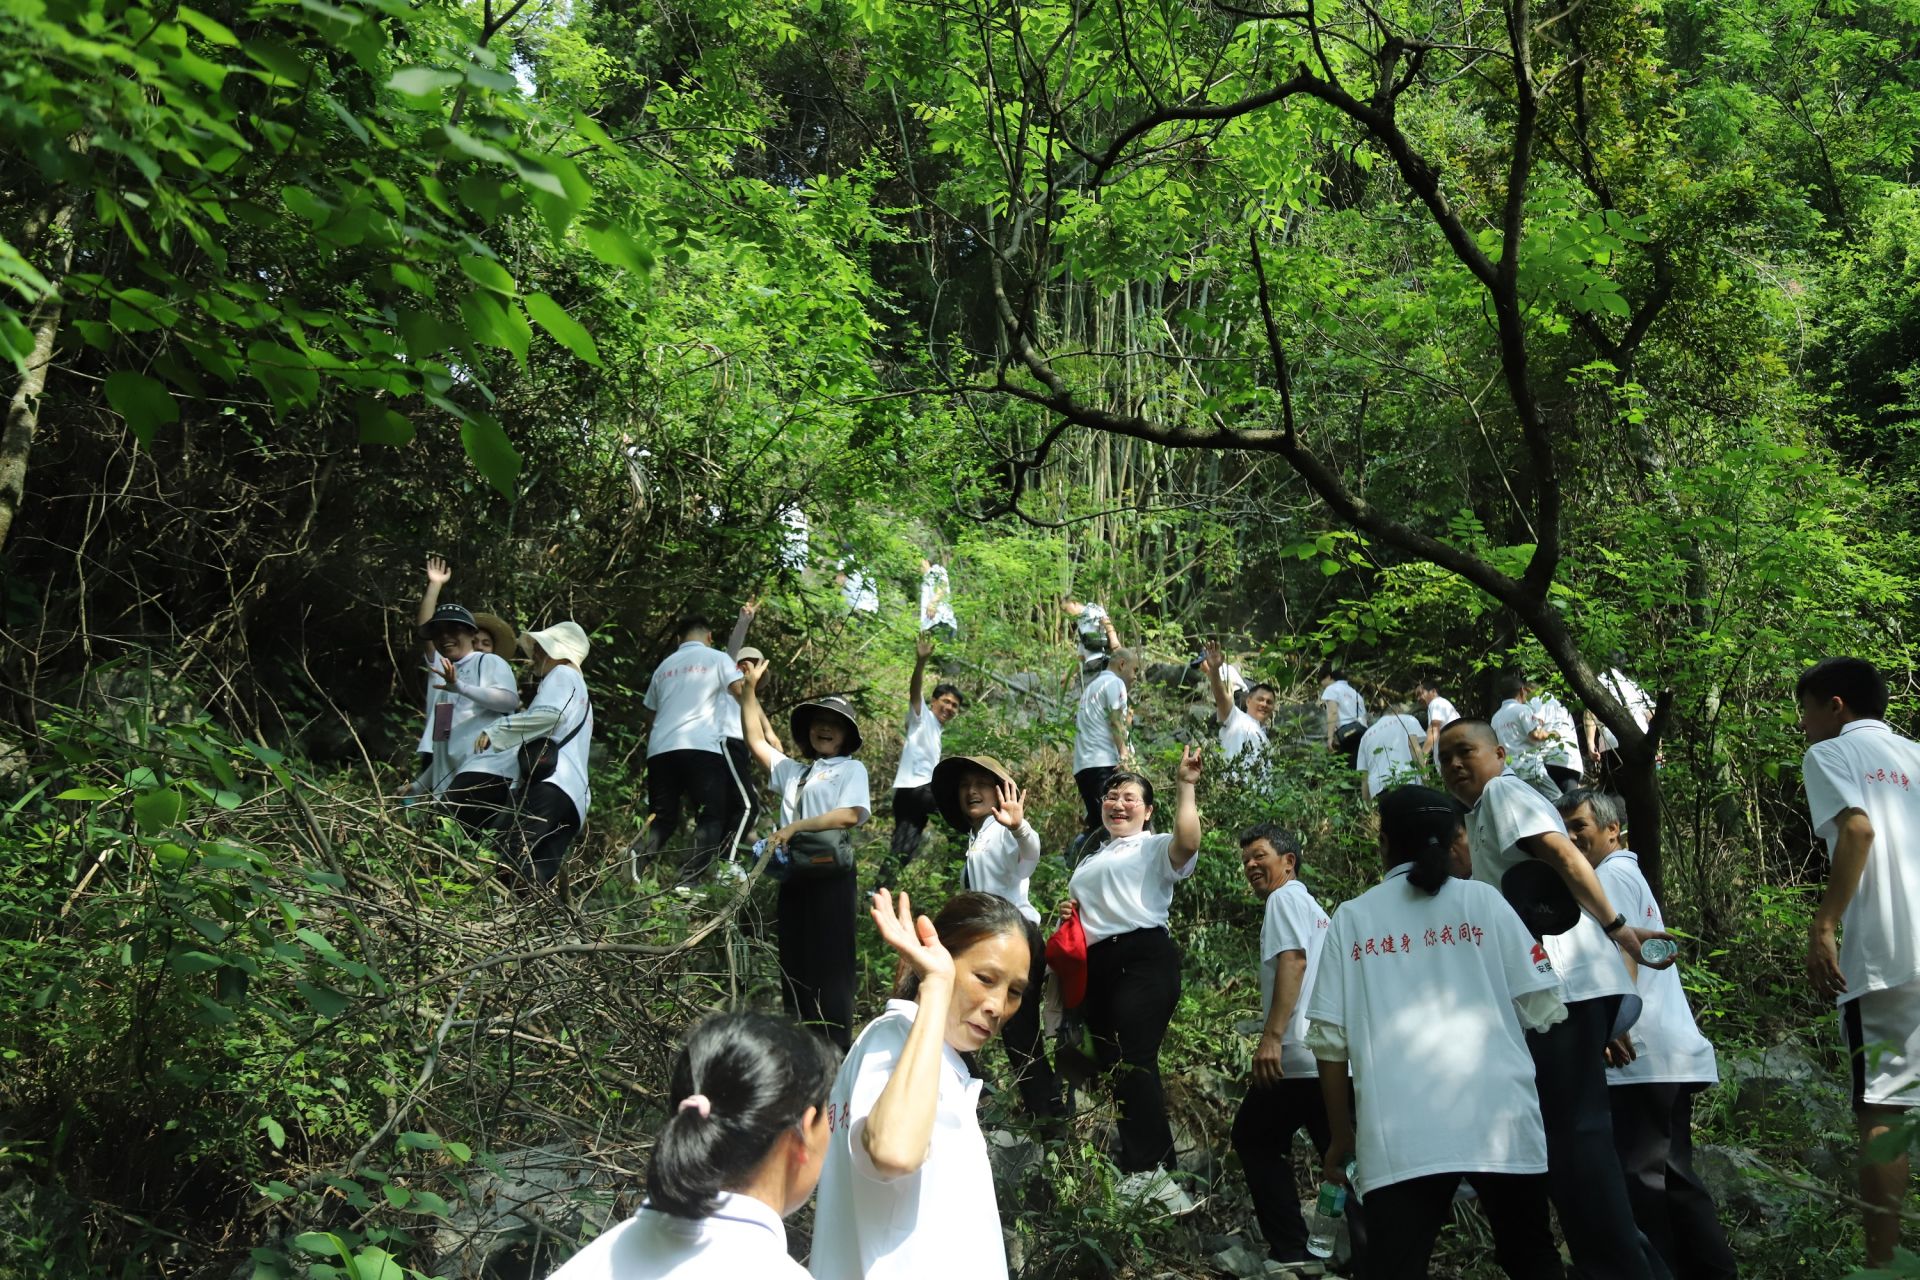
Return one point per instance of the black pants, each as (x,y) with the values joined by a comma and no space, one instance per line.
(1093,790)
(1263,1132)
(704,781)
(1567,779)
(815,927)
(1026,1041)
(1405,1218)
(747,808)
(479,801)
(540,832)
(1653,1132)
(1583,1173)
(912,807)
(1133,987)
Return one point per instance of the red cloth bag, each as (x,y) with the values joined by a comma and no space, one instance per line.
(1067,957)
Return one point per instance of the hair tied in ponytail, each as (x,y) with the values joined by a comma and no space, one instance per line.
(697,1102)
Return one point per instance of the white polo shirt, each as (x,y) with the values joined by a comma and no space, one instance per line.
(469,720)
(1633,698)
(1093,744)
(685,697)
(940,1220)
(837,782)
(1423,987)
(1292,921)
(1666,1039)
(1563,749)
(1127,884)
(1871,768)
(919,750)
(1348,706)
(1241,734)
(1386,752)
(1001,862)
(1440,713)
(1514,724)
(1589,964)
(743,1237)
(560,701)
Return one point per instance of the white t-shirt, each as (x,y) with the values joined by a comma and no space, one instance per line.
(919,750)
(936,599)
(940,1220)
(1293,921)
(743,1238)
(561,698)
(1666,1039)
(1440,713)
(470,719)
(1386,752)
(1514,724)
(1632,697)
(1127,884)
(1423,987)
(1563,749)
(686,695)
(1871,768)
(1001,862)
(1348,706)
(837,782)
(1241,734)
(1093,743)
(1508,812)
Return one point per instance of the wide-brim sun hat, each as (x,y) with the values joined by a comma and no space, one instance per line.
(946,785)
(496,626)
(804,714)
(459,615)
(746,652)
(565,641)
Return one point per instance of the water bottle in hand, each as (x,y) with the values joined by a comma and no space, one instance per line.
(1325,1226)
(1658,950)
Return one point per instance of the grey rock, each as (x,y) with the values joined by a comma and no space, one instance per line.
(1240,1260)
(539,1191)
(1783,1087)
(1741,1185)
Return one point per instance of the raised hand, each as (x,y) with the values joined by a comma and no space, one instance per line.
(1011,810)
(1189,770)
(913,937)
(439,572)
(448,674)
(754,674)
(1215,658)
(923,647)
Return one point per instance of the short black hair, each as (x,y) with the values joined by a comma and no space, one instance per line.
(1122,777)
(691,623)
(1336,673)
(1427,682)
(1263,685)
(1854,681)
(1510,685)
(1282,840)
(1480,729)
(942,690)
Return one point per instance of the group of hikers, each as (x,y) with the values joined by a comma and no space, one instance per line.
(1498,1018)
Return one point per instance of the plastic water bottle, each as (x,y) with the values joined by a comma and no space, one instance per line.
(1325,1227)
(1659,950)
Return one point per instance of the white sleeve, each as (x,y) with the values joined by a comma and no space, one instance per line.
(1518,812)
(1832,789)
(879,1054)
(493,687)
(1328,1042)
(1327,1002)
(854,792)
(1538,1010)
(1158,847)
(652,701)
(1026,847)
(1289,924)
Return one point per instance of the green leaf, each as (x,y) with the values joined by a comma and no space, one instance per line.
(326,1001)
(144,402)
(194,962)
(155,811)
(86,793)
(464,141)
(376,1264)
(613,246)
(210,31)
(487,445)
(275,1133)
(413,1140)
(422,82)
(396,1196)
(567,331)
(1329,567)
(487,273)
(381,425)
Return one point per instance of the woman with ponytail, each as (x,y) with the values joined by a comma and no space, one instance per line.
(1427,986)
(743,1146)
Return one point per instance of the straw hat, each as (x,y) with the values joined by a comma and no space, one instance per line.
(565,641)
(803,716)
(946,785)
(496,626)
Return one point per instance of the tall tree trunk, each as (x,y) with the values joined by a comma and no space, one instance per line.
(23,410)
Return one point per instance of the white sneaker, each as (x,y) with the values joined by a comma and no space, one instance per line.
(1155,1185)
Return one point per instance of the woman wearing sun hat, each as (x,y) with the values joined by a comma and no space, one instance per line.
(824,794)
(980,800)
(557,731)
(469,692)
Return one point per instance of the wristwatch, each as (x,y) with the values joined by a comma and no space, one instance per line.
(1619,923)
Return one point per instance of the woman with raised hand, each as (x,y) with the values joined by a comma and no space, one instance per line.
(1123,892)
(554,736)
(907,1192)
(742,1148)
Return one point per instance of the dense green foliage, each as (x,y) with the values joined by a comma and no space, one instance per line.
(1421,336)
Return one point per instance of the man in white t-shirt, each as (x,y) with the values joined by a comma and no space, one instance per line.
(686,748)
(1519,729)
(1284,1094)
(1863,795)
(913,802)
(1241,732)
(1391,752)
(1346,713)
(1100,744)
(1440,712)
(1509,823)
(1655,1069)
(1561,751)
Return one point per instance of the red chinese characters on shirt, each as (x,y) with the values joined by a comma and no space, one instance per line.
(1446,936)
(1887,775)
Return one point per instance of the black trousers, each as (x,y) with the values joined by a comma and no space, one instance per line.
(912,807)
(815,926)
(1653,1132)
(1093,789)
(703,781)
(1133,987)
(747,811)
(1567,778)
(540,832)
(1583,1172)
(1405,1218)
(1026,1040)
(1263,1130)
(479,801)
